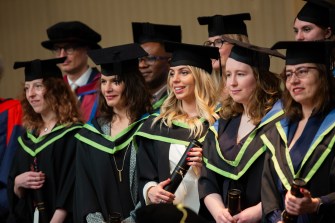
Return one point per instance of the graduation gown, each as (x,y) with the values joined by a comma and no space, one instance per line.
(243,168)
(10,122)
(99,187)
(317,168)
(88,95)
(55,154)
(159,150)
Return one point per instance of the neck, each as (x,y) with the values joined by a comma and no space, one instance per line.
(307,111)
(190,108)
(120,114)
(49,120)
(75,75)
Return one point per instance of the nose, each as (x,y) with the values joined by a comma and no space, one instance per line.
(175,78)
(294,79)
(30,92)
(232,81)
(299,36)
(62,53)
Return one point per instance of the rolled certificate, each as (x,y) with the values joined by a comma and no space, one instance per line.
(181,168)
(39,200)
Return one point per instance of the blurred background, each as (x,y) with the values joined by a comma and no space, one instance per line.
(23,24)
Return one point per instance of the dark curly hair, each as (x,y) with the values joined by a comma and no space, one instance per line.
(59,98)
(136,95)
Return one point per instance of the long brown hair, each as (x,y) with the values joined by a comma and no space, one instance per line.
(59,98)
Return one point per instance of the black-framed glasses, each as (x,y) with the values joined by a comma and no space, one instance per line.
(151,59)
(68,49)
(216,43)
(300,72)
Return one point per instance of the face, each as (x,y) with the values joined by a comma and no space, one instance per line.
(302,82)
(77,58)
(182,83)
(224,50)
(35,91)
(306,31)
(240,81)
(112,89)
(156,68)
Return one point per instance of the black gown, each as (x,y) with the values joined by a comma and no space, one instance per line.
(235,166)
(98,185)
(154,145)
(315,164)
(55,154)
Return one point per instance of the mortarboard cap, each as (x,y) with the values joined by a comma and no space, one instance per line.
(298,52)
(37,69)
(118,59)
(193,55)
(225,24)
(149,32)
(158,213)
(73,31)
(252,55)
(317,12)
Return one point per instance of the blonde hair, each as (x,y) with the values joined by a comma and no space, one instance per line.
(205,96)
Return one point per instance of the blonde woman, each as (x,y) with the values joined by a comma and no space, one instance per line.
(186,114)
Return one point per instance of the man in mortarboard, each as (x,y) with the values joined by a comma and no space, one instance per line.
(73,39)
(155,66)
(315,21)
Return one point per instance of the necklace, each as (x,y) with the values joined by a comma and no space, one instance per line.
(45,129)
(120,170)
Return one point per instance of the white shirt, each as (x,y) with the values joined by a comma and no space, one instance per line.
(81,81)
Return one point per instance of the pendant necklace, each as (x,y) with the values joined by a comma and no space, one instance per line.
(120,170)
(45,129)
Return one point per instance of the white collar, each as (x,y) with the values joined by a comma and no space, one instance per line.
(82,80)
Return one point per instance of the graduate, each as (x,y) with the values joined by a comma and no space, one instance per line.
(218,26)
(186,114)
(43,164)
(233,153)
(302,144)
(106,177)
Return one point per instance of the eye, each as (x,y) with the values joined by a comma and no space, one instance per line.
(228,74)
(288,74)
(307,29)
(302,71)
(295,30)
(171,73)
(103,81)
(240,74)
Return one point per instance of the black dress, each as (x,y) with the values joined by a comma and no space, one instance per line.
(55,155)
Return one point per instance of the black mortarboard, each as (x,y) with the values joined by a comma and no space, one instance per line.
(252,55)
(298,52)
(149,32)
(117,59)
(160,213)
(73,31)
(317,12)
(194,55)
(37,69)
(225,24)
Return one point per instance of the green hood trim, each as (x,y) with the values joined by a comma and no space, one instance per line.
(47,143)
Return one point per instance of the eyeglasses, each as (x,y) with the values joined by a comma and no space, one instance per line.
(217,43)
(300,72)
(68,49)
(151,59)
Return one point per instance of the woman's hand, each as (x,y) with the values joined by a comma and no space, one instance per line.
(223,216)
(194,157)
(299,206)
(157,194)
(251,214)
(28,180)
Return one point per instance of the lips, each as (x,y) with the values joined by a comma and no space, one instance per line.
(179,90)
(297,90)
